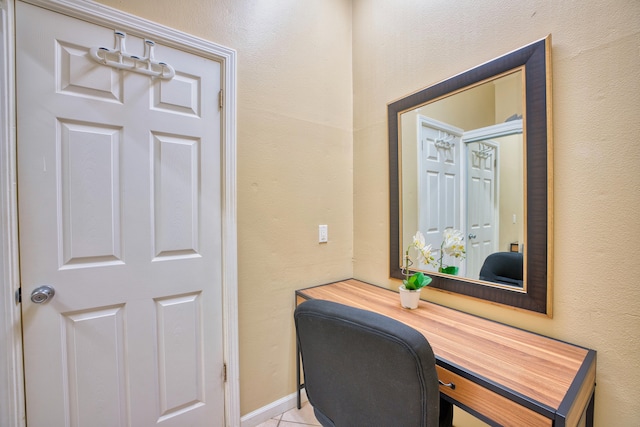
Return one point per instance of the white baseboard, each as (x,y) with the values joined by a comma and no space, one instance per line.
(261,415)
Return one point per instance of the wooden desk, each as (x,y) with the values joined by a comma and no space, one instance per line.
(503,375)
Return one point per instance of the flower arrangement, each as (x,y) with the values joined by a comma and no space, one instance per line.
(417,280)
(452,245)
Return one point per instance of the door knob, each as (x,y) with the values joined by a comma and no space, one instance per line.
(472,236)
(42,294)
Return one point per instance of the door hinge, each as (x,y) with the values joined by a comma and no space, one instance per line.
(224,370)
(220,98)
(18,295)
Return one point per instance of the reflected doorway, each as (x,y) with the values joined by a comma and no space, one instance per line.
(471,181)
(483,200)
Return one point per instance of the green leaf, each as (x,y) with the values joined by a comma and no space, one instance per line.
(417,281)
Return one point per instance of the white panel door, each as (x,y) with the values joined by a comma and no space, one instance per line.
(120,211)
(482,204)
(439,186)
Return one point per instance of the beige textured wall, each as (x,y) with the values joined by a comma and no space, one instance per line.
(402,46)
(294,162)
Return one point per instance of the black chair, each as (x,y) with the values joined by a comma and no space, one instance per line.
(363,369)
(504,268)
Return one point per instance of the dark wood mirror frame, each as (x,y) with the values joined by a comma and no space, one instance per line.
(536,59)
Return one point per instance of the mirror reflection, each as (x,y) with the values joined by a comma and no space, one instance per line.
(462,159)
(475,136)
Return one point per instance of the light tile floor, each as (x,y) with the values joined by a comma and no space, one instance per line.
(293,418)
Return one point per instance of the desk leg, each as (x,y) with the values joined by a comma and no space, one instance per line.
(298,383)
(446,412)
(591,410)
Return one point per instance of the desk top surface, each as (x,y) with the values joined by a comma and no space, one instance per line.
(531,365)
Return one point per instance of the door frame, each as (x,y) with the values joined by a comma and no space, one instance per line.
(12,398)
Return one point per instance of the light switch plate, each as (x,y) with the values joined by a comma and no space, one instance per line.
(323,234)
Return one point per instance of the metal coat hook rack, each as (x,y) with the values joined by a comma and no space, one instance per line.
(444,140)
(485,152)
(121,59)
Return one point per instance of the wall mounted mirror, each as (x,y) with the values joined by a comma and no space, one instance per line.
(474,153)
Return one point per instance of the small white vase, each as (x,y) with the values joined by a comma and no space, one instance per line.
(408,298)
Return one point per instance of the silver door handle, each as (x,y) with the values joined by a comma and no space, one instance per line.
(42,294)
(472,236)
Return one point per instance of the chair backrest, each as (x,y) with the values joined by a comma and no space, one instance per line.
(503,267)
(365,369)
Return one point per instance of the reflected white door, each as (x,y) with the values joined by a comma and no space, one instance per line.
(482,204)
(439,193)
(120,212)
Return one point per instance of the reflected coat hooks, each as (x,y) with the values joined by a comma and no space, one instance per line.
(119,58)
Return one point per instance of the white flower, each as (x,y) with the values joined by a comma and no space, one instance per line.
(424,250)
(418,240)
(453,243)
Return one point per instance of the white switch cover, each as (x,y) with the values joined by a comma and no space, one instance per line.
(323,234)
